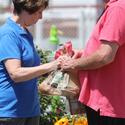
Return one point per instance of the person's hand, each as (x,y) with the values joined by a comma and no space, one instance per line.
(55,64)
(66,63)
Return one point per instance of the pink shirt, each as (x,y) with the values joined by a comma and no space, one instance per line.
(104,88)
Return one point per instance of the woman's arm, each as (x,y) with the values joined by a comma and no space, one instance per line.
(18,73)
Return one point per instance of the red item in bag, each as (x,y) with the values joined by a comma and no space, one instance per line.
(57,54)
(67,49)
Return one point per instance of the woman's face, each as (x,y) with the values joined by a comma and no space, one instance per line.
(31,19)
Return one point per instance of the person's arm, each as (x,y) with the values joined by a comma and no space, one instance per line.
(103,56)
(18,73)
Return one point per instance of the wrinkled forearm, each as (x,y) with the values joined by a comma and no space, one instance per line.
(101,57)
(91,62)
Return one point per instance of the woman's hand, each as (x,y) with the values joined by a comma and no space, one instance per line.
(55,65)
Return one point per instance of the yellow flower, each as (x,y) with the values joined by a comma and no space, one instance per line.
(62,121)
(81,121)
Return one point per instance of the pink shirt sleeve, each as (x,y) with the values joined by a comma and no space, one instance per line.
(113,25)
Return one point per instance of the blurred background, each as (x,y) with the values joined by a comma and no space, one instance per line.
(73,20)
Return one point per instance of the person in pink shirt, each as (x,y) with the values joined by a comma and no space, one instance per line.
(101,68)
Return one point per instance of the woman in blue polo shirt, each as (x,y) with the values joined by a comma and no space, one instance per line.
(20,65)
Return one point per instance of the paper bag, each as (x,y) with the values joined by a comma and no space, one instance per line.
(60,83)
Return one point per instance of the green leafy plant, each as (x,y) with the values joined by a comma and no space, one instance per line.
(52,107)
(43,55)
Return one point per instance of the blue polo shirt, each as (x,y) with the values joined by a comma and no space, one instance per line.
(19,100)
